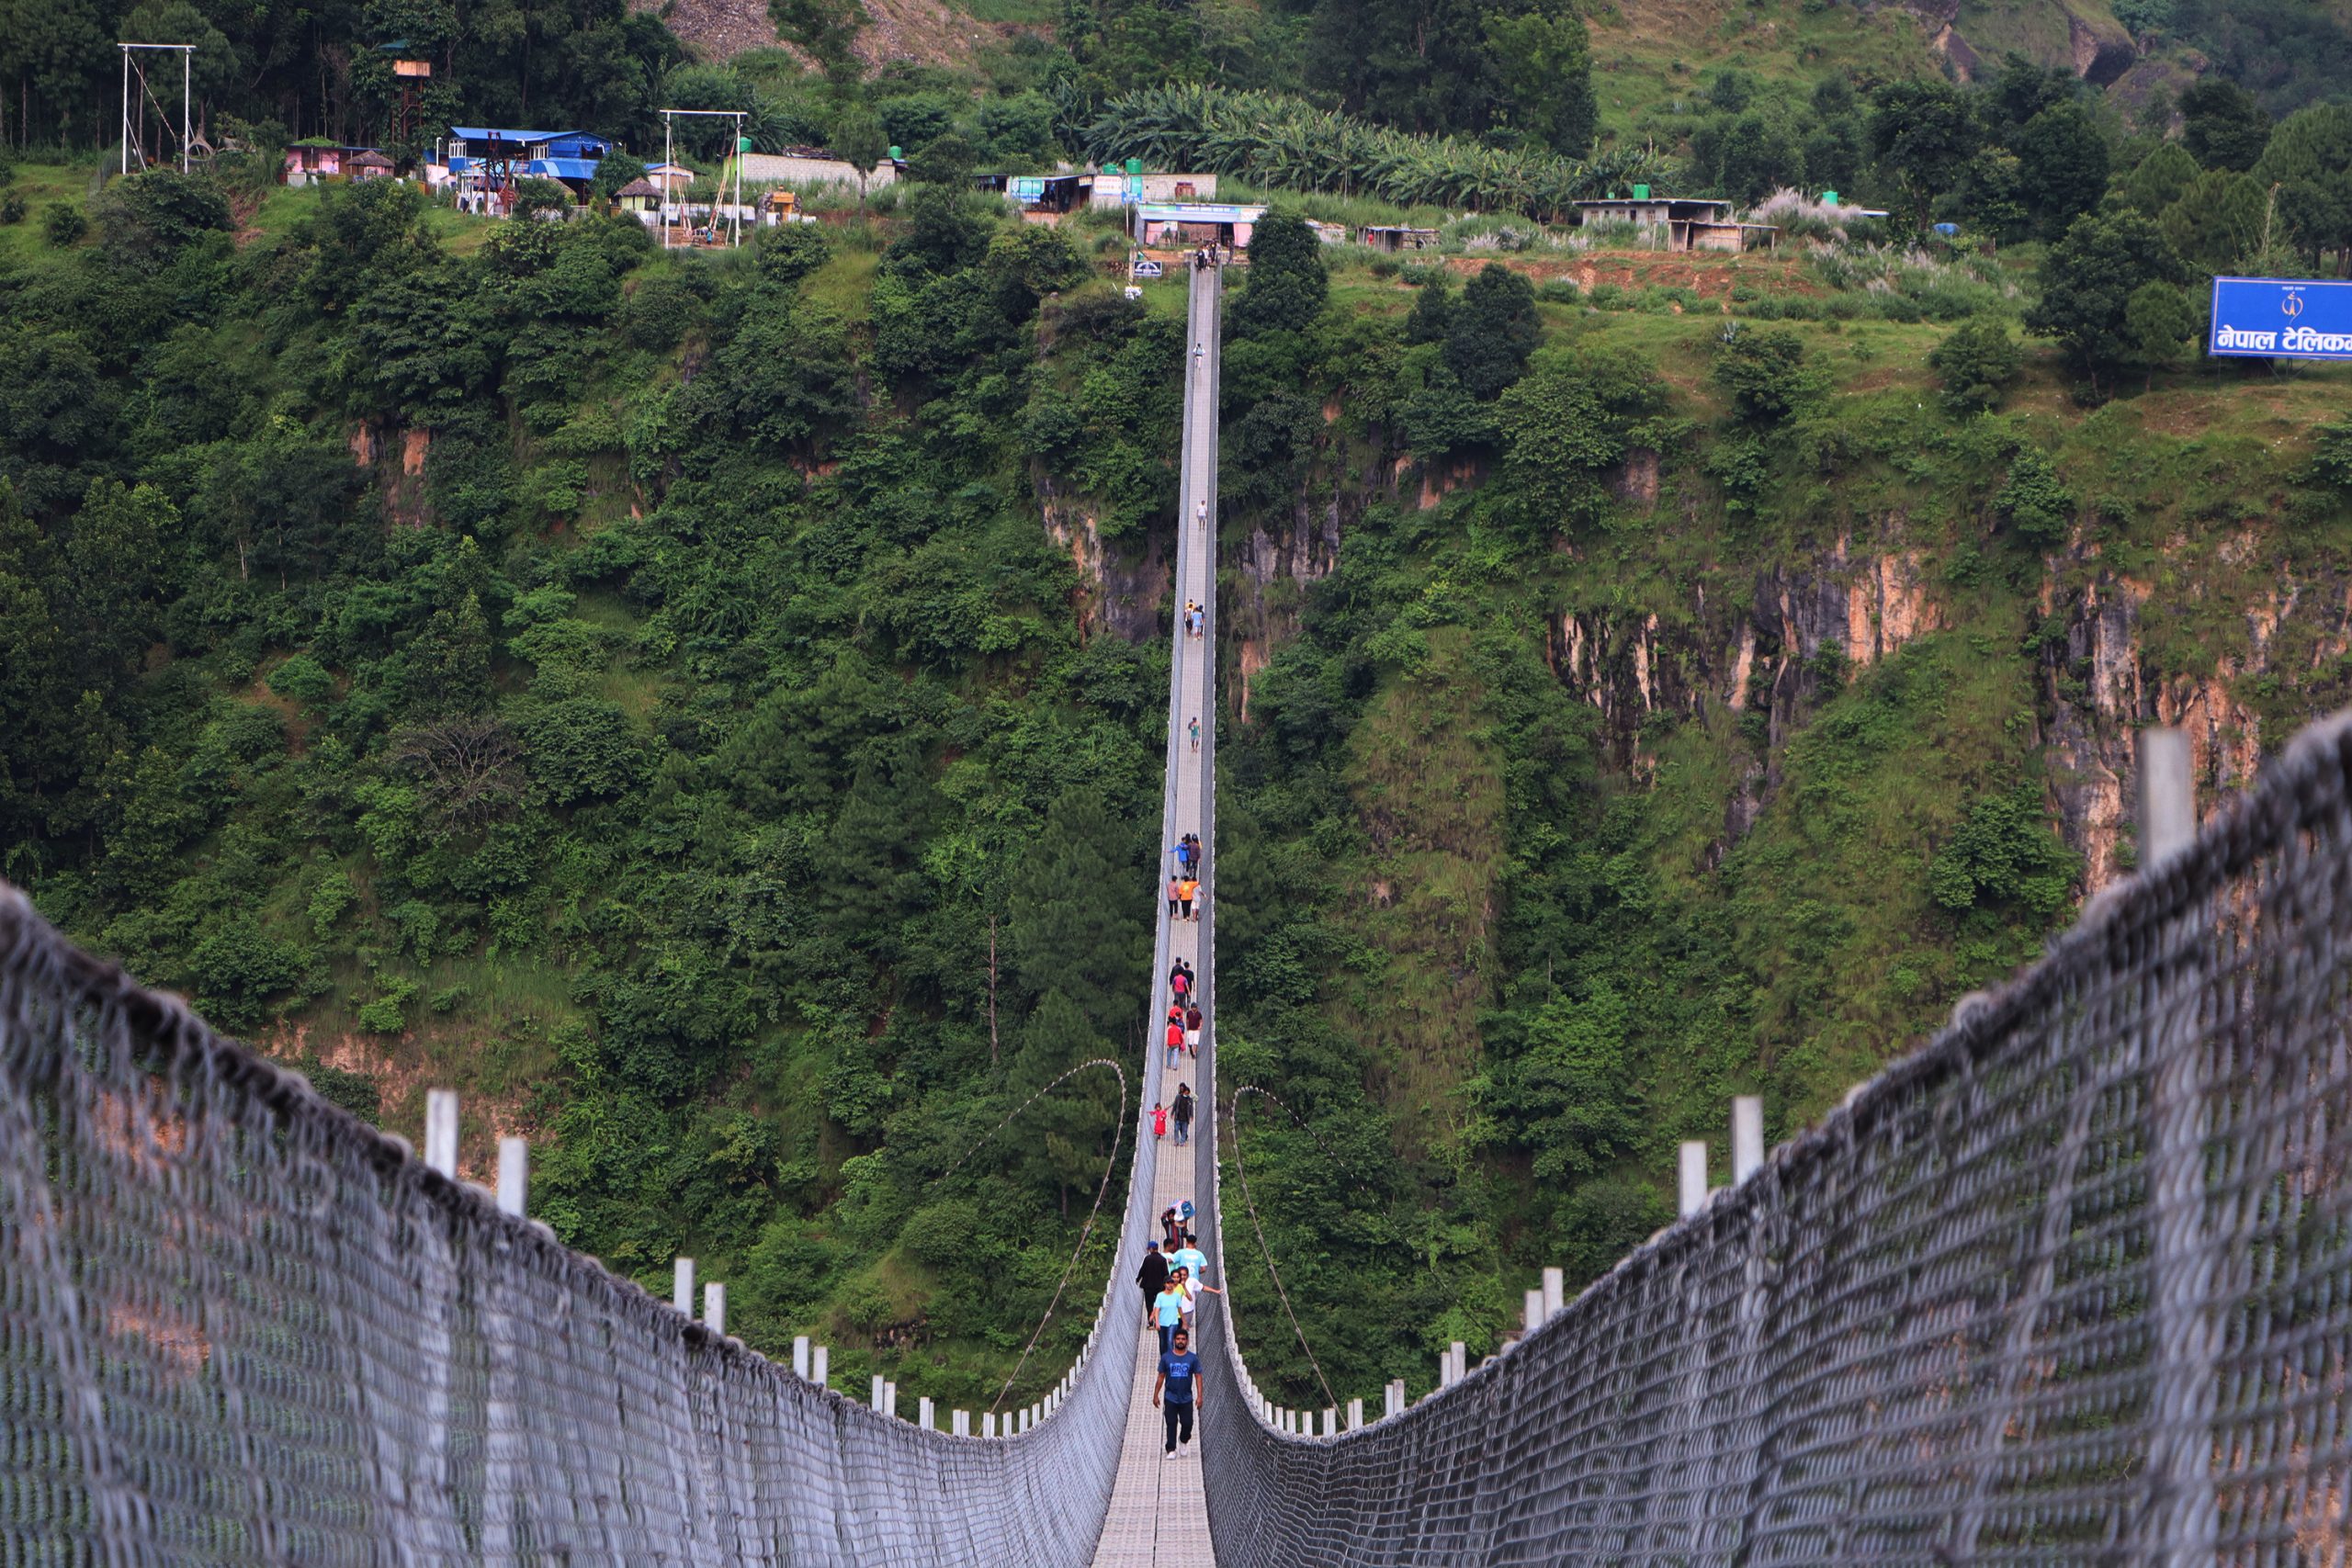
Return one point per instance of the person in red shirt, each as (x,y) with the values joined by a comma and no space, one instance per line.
(1175,1044)
(1159,1120)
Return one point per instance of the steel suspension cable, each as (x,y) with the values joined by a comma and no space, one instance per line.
(1266,1251)
(1086,1232)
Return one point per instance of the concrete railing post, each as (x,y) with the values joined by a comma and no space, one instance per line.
(2167,795)
(441,1131)
(1355,1414)
(1691,1183)
(959,1424)
(682,1285)
(922,1412)
(1555,1292)
(514,1176)
(877,1393)
(988,1424)
(714,1308)
(2179,1467)
(1746,1137)
(1330,1422)
(891,1400)
(817,1359)
(1531,1310)
(800,1356)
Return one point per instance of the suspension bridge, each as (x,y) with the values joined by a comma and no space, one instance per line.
(2071,1283)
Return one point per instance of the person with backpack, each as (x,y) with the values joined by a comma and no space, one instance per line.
(1153,1277)
(1183,1114)
(1180,1383)
(1158,1121)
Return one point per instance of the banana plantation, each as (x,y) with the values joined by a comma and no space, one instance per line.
(1284,143)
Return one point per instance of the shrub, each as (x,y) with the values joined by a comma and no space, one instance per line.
(12,207)
(64,224)
(1977,363)
(535,198)
(2033,501)
(2332,455)
(152,216)
(1764,373)
(301,678)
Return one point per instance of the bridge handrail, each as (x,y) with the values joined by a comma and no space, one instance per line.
(2072,1283)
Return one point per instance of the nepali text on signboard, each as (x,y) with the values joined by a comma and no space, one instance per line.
(2282,316)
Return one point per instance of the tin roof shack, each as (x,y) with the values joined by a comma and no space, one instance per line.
(809,166)
(1721,235)
(1173,224)
(1041,193)
(1113,187)
(368,164)
(1669,217)
(1394,237)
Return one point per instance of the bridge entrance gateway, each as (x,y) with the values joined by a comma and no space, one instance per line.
(2071,1283)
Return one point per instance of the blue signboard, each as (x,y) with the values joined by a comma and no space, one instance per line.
(2283,317)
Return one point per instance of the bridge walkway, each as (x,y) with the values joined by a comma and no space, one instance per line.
(1158,1516)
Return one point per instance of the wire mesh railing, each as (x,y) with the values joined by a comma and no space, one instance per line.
(240,1327)
(2071,1284)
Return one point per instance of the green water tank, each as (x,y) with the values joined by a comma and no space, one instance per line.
(896,154)
(1134,166)
(1641,193)
(1829,199)
(742,144)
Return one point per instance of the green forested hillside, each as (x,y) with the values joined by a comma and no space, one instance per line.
(704,704)
(636,689)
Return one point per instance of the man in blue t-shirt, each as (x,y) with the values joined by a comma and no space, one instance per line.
(1179,1378)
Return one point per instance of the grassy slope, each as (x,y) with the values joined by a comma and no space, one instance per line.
(1649,53)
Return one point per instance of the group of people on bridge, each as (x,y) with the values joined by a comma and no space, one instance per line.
(1173,1279)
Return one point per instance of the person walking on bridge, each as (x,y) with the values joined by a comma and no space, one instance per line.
(1193,1021)
(1171,897)
(1196,734)
(1180,1381)
(1153,1278)
(1187,889)
(1182,1114)
(1167,1310)
(1175,1044)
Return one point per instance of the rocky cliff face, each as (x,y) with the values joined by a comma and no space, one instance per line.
(1769,645)
(1122,584)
